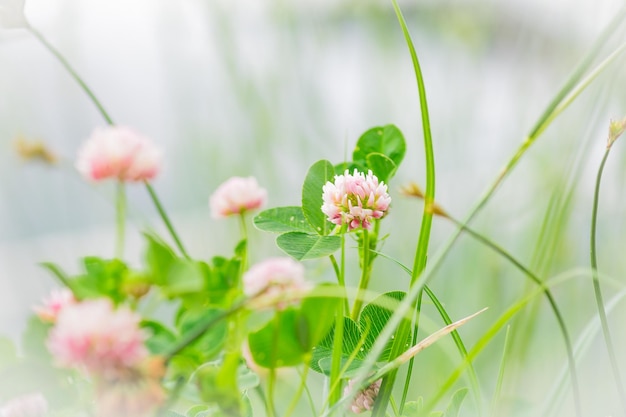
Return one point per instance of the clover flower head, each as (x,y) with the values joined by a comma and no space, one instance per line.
(51,306)
(235,196)
(136,393)
(355,199)
(118,152)
(275,279)
(12,14)
(95,336)
(364,400)
(29,405)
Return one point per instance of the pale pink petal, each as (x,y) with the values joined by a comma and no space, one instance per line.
(118,152)
(235,196)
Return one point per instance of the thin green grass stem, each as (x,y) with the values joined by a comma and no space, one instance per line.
(71,71)
(553,305)
(309,397)
(166,219)
(598,291)
(298,394)
(498,389)
(55,52)
(406,304)
(421,251)
(120,219)
(409,371)
(458,341)
(335,368)
(365,275)
(486,339)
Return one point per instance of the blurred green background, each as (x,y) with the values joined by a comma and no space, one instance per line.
(266,88)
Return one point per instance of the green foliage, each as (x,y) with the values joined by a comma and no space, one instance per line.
(283,220)
(319,173)
(185,277)
(217,384)
(160,337)
(211,342)
(358,338)
(303,246)
(416,408)
(380,149)
(374,318)
(292,334)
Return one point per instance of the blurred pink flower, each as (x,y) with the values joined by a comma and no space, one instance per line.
(29,405)
(94,336)
(364,400)
(118,152)
(277,279)
(236,196)
(355,199)
(134,395)
(52,305)
(12,14)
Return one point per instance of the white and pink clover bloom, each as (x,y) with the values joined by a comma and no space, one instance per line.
(279,280)
(28,405)
(51,306)
(235,196)
(94,336)
(355,199)
(364,400)
(120,153)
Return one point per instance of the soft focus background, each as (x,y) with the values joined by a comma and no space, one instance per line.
(266,88)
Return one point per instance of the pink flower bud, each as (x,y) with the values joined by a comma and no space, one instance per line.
(276,279)
(92,335)
(118,152)
(355,200)
(52,305)
(235,196)
(364,400)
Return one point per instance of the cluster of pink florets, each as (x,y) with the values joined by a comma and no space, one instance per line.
(118,152)
(355,199)
(95,336)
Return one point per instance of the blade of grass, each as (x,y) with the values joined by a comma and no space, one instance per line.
(458,341)
(427,217)
(606,332)
(586,338)
(445,248)
(498,390)
(491,333)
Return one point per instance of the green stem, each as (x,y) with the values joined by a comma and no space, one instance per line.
(365,276)
(436,261)
(337,353)
(271,381)
(310,399)
(598,291)
(166,219)
(427,216)
(496,395)
(71,71)
(244,255)
(202,328)
(409,371)
(571,361)
(120,205)
(298,393)
(109,121)
(340,279)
